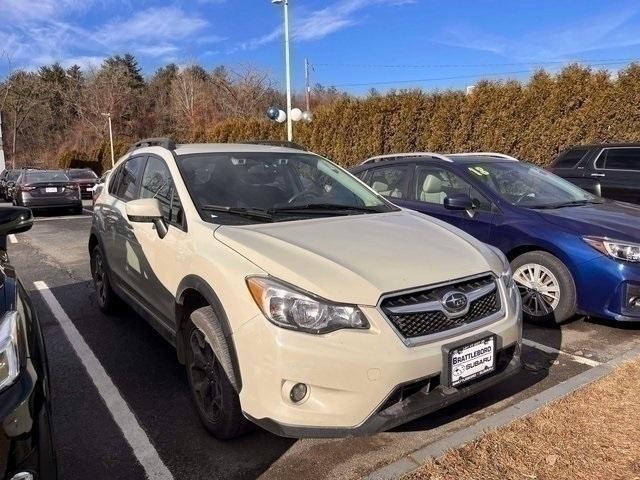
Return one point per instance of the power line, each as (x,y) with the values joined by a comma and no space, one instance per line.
(476,65)
(455,77)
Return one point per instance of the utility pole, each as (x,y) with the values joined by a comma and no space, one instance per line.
(108,115)
(288,68)
(307,88)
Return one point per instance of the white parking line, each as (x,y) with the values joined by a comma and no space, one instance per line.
(90,212)
(12,238)
(547,349)
(122,415)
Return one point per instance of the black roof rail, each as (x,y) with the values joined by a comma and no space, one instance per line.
(278,143)
(163,142)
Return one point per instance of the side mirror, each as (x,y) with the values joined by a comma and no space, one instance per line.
(15,220)
(147,210)
(458,201)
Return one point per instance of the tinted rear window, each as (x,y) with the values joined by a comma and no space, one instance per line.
(619,159)
(570,158)
(82,174)
(35,177)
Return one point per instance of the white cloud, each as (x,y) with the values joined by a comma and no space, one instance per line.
(151,25)
(600,32)
(318,24)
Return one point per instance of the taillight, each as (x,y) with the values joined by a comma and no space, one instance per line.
(27,188)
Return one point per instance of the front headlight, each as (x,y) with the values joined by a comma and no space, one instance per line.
(619,250)
(9,356)
(288,307)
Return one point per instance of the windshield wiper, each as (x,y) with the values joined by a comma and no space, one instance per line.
(575,203)
(322,208)
(253,213)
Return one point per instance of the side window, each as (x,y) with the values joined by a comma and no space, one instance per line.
(389,181)
(570,158)
(158,183)
(619,159)
(434,184)
(126,181)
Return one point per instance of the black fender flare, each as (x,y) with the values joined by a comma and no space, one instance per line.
(222,341)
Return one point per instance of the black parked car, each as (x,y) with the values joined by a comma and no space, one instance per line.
(26,444)
(608,170)
(46,189)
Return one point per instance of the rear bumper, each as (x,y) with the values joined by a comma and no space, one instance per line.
(51,202)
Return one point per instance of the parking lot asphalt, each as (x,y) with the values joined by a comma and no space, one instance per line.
(144,374)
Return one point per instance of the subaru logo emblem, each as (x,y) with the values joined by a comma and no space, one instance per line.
(454,302)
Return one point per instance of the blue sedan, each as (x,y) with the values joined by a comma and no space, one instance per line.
(570,251)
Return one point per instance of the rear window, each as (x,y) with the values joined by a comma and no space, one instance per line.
(13,175)
(570,158)
(35,177)
(82,174)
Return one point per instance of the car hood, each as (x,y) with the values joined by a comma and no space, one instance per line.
(616,220)
(355,259)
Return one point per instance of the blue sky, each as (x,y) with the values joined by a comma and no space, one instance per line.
(353,44)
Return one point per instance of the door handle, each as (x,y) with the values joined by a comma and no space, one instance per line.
(597,174)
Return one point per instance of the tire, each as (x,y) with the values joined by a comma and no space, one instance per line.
(546,286)
(216,400)
(107,299)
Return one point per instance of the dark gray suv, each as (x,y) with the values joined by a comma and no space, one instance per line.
(607,170)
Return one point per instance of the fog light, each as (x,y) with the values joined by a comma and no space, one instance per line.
(634,302)
(298,392)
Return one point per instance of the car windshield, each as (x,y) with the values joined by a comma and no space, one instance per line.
(266,186)
(36,177)
(526,185)
(82,175)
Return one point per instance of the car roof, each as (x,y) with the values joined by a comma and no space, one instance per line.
(195,148)
(601,145)
(420,157)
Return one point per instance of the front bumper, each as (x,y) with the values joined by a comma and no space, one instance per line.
(359,382)
(605,286)
(400,408)
(26,443)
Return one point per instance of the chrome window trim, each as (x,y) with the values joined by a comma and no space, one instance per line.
(613,169)
(435,337)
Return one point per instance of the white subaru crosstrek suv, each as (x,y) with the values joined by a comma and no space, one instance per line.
(296,296)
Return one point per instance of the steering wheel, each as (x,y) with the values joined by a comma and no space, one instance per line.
(301,196)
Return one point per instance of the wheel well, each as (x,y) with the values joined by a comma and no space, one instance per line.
(93,241)
(516,252)
(191,300)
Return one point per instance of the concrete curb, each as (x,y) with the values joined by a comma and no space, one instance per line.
(414,460)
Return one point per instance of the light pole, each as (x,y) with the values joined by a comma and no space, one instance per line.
(108,115)
(287,62)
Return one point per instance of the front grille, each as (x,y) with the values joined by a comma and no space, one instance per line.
(412,324)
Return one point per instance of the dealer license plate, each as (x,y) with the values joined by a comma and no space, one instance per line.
(471,361)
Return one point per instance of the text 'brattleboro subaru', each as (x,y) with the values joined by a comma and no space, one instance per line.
(297,297)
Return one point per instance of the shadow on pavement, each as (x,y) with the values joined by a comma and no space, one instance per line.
(145,369)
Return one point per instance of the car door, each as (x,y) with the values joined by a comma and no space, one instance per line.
(390,181)
(618,169)
(431,184)
(121,245)
(155,279)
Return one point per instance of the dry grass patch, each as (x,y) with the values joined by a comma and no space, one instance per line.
(593,433)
